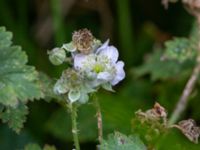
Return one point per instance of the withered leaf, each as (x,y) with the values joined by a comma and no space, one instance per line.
(189,129)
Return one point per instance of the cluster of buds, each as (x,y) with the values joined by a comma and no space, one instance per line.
(93,65)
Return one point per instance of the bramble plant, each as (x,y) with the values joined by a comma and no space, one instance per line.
(92,65)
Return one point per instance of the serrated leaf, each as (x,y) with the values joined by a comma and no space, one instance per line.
(118,141)
(18,81)
(15,117)
(32,147)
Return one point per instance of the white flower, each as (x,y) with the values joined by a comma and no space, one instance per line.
(102,66)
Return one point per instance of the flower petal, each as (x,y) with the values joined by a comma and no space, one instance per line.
(111,53)
(105,76)
(79,59)
(120,74)
(105,44)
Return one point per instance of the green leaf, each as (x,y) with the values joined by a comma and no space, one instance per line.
(118,141)
(32,147)
(15,117)
(162,69)
(18,81)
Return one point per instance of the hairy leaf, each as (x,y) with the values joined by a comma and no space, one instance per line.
(18,81)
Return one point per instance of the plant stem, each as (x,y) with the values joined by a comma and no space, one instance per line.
(183,101)
(99,119)
(73,109)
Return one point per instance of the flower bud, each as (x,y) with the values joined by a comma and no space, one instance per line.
(57,56)
(60,87)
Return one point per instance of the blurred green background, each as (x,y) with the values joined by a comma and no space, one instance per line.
(135,27)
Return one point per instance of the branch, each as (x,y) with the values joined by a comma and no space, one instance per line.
(183,101)
(192,6)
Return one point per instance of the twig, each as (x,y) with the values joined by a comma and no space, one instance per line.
(183,101)
(73,110)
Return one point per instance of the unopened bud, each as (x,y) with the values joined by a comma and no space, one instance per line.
(57,56)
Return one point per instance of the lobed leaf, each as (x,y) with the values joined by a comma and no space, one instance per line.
(18,81)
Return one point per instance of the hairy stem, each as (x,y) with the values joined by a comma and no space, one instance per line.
(183,101)
(73,109)
(99,120)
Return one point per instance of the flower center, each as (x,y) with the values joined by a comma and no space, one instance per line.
(98,68)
